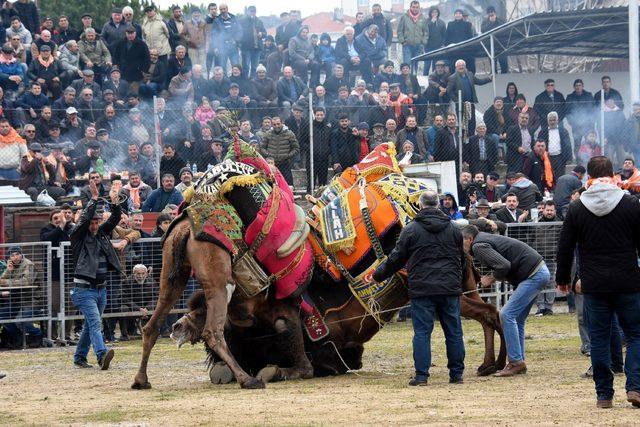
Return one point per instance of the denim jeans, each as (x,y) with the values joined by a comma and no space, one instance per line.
(423,313)
(514,314)
(15,329)
(228,52)
(250,60)
(91,303)
(600,309)
(409,52)
(11,174)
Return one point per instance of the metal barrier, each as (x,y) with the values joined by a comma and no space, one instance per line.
(25,285)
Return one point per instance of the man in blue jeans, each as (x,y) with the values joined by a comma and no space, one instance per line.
(93,258)
(523,267)
(605,225)
(431,248)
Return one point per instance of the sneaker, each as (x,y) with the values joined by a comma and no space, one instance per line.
(2,375)
(417,382)
(106,359)
(82,364)
(539,313)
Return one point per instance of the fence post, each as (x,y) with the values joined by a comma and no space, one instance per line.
(62,310)
(158,139)
(49,250)
(310,175)
(602,121)
(493,66)
(459,131)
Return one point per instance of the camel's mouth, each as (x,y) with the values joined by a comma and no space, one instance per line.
(179,339)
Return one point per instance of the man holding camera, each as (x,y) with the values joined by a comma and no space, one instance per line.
(93,258)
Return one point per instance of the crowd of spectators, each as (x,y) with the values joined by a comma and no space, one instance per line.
(77,105)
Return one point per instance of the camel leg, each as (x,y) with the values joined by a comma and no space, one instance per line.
(488,367)
(169,294)
(484,314)
(214,335)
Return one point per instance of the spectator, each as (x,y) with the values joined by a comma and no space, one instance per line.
(136,163)
(481,152)
(28,13)
(113,32)
(492,191)
(171,163)
(177,62)
(391,126)
(302,57)
(137,190)
(119,87)
(510,212)
(281,145)
(609,93)
(458,31)
(436,91)
(186,179)
(484,220)
(605,222)
(224,36)
(580,109)
(447,142)
(46,71)
(253,32)
(196,37)
(177,28)
(372,50)
(65,32)
(17,29)
(71,127)
(589,147)
(489,23)
(615,140)
(464,81)
(413,34)
(431,132)
(12,74)
(497,120)
(88,106)
(162,224)
(344,145)
(161,197)
(437,31)
(12,150)
(547,244)
(93,258)
(412,133)
(60,105)
(156,34)
(434,284)
(38,174)
(132,58)
(138,132)
(632,127)
(33,101)
(210,20)
(511,94)
(326,57)
(291,89)
(140,292)
(299,125)
(628,169)
(449,206)
(347,54)
(359,27)
(181,86)
(558,144)
(153,80)
(386,75)
(91,160)
(528,193)
(521,106)
(213,155)
(518,139)
(70,62)
(550,100)
(87,80)
(94,53)
(137,219)
(408,156)
(19,50)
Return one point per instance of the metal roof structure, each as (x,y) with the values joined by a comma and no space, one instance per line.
(601,33)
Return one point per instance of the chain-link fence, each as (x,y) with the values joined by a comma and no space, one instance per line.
(25,288)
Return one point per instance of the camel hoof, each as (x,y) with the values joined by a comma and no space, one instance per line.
(141,386)
(252,384)
(484,371)
(269,374)
(220,374)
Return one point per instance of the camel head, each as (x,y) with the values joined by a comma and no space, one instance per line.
(190,326)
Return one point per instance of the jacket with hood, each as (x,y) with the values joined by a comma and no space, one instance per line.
(453,213)
(8,68)
(326,53)
(299,48)
(413,33)
(156,34)
(528,193)
(605,225)
(431,247)
(25,36)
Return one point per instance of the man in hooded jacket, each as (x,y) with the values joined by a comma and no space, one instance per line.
(431,248)
(605,225)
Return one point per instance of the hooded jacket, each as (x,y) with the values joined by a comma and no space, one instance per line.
(299,48)
(605,225)
(431,248)
(156,34)
(527,192)
(24,34)
(456,212)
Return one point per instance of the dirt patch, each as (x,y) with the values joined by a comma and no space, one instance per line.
(43,388)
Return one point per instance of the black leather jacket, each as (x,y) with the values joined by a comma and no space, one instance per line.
(85,248)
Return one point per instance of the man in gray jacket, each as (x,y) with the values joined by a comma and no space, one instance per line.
(301,56)
(513,261)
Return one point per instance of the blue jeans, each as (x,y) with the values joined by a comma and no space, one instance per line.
(228,52)
(600,309)
(250,60)
(514,314)
(423,313)
(11,174)
(148,90)
(91,303)
(409,52)
(15,329)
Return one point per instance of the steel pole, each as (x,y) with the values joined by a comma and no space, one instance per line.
(493,66)
(156,125)
(310,165)
(634,51)
(460,115)
(602,121)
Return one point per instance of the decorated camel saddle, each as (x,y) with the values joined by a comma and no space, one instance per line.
(354,214)
(246,207)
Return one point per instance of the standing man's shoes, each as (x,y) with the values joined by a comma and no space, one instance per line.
(106,359)
(633,397)
(82,364)
(604,403)
(539,313)
(417,382)
(512,368)
(456,380)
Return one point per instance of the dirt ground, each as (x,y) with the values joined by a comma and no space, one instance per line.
(43,388)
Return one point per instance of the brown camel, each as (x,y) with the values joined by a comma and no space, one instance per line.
(212,264)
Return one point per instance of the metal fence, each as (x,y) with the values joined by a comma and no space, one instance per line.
(40,297)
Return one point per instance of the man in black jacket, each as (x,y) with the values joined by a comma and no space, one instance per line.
(481,152)
(549,100)
(606,224)
(431,248)
(132,57)
(344,145)
(93,258)
(321,149)
(517,263)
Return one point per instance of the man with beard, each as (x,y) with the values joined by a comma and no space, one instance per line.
(281,145)
(170,162)
(321,150)
(344,144)
(163,196)
(518,143)
(334,82)
(212,156)
(411,132)
(89,160)
(137,190)
(447,142)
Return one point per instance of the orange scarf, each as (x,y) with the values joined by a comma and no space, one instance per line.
(45,172)
(548,171)
(11,138)
(45,64)
(603,180)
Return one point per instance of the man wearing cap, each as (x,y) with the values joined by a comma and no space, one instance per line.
(72,127)
(413,34)
(87,80)
(464,81)
(485,220)
(489,23)
(156,33)
(436,92)
(88,106)
(70,62)
(492,191)
(37,174)
(94,53)
(132,57)
(181,86)
(114,83)
(236,103)
(113,31)
(93,258)
(46,70)
(186,179)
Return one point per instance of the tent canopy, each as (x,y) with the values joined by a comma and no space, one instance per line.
(602,33)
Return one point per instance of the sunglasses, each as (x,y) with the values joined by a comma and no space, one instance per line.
(30,131)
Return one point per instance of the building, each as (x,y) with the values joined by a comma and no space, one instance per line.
(351,7)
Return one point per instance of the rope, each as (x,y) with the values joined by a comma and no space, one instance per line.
(340,357)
